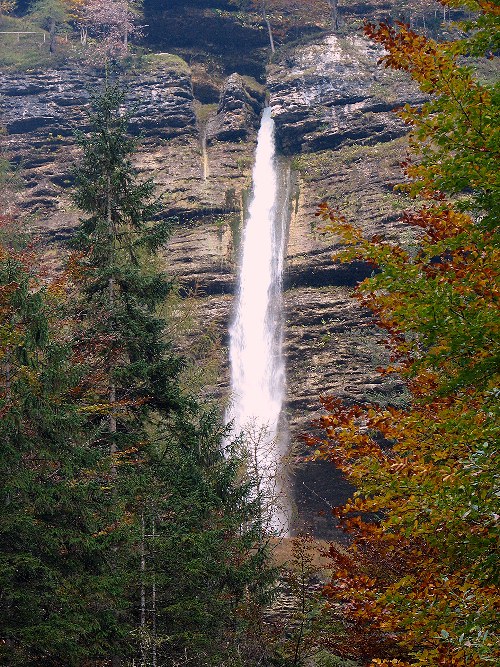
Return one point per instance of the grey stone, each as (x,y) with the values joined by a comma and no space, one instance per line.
(335,92)
(54,101)
(238,114)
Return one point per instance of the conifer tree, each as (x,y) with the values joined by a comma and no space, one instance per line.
(186,550)
(207,569)
(53,509)
(132,373)
(123,335)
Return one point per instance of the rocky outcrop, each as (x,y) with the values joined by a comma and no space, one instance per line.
(203,190)
(332,345)
(45,102)
(42,109)
(238,114)
(52,102)
(332,107)
(333,93)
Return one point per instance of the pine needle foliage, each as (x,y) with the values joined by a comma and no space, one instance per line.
(117,242)
(54,597)
(186,551)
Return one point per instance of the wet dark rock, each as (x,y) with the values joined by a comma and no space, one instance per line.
(53,102)
(317,488)
(34,123)
(325,273)
(22,88)
(238,115)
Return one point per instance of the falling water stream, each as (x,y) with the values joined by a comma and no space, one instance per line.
(256,334)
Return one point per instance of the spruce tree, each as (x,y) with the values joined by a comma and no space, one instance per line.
(206,571)
(187,553)
(53,510)
(132,372)
(121,288)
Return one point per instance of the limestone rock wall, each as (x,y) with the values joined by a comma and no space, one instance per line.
(334,92)
(332,104)
(238,113)
(333,107)
(41,110)
(52,102)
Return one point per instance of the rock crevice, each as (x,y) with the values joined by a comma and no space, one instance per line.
(239,111)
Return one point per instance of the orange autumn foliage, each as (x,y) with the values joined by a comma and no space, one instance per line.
(419,585)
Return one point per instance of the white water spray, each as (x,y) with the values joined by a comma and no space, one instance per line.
(256,335)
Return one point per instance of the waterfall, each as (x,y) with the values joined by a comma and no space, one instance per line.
(256,334)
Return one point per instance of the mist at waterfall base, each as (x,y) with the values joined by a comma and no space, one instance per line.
(256,334)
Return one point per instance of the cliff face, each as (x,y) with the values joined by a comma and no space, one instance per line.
(41,111)
(333,106)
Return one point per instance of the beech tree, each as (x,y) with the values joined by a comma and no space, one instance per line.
(111,23)
(421,581)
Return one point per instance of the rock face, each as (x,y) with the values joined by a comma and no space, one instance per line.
(52,102)
(238,115)
(332,106)
(331,93)
(41,111)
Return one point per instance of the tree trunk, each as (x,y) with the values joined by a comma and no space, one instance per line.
(153,601)
(52,33)
(115,659)
(7,372)
(271,40)
(269,30)
(334,13)
(143,592)
(112,388)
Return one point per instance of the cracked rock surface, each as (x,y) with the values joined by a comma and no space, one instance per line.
(333,93)
(335,127)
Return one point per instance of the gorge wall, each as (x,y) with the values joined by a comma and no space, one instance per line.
(333,107)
